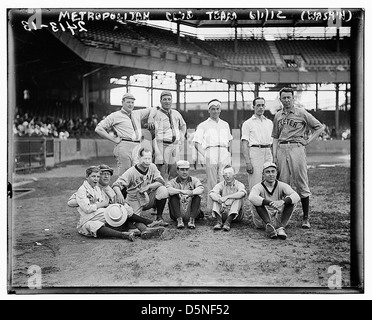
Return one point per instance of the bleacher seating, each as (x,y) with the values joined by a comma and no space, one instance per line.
(249,54)
(316,52)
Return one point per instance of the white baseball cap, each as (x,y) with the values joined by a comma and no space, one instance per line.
(183,164)
(268,165)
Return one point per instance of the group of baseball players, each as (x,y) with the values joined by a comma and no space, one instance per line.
(150,172)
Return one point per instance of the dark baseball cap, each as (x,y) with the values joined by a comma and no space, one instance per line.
(165,93)
(104,167)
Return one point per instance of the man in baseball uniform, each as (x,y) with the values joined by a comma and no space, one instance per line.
(127,125)
(212,141)
(274,202)
(227,197)
(170,130)
(290,125)
(184,196)
(135,224)
(145,187)
(257,142)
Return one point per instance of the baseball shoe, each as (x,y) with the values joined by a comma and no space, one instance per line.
(226,226)
(305,224)
(152,233)
(191,223)
(162,223)
(128,235)
(270,231)
(281,233)
(136,232)
(180,224)
(218,226)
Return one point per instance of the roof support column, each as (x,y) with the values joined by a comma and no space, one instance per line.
(178,91)
(337,115)
(85,97)
(235,105)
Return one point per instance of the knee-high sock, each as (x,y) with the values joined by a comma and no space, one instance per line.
(106,232)
(160,204)
(305,206)
(262,212)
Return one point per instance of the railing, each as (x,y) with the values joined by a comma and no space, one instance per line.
(32,153)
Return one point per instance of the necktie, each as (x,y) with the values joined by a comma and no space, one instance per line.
(169,115)
(134,127)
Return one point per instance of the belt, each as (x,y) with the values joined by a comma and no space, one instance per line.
(287,142)
(215,147)
(165,142)
(261,145)
(129,140)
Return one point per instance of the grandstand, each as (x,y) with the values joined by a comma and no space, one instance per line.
(69,74)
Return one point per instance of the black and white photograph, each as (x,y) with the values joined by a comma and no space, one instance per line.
(185,150)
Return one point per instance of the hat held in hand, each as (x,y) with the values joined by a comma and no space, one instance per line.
(115,215)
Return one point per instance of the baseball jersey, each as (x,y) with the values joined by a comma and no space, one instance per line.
(292,126)
(126,126)
(191,183)
(134,179)
(168,124)
(257,131)
(281,190)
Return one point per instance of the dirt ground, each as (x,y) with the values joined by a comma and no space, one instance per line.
(42,232)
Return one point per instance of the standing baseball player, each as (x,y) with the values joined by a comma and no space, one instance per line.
(170,130)
(127,124)
(145,187)
(290,125)
(184,193)
(274,202)
(212,140)
(257,142)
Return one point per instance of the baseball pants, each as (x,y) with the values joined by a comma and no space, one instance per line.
(175,210)
(126,154)
(225,211)
(292,163)
(215,160)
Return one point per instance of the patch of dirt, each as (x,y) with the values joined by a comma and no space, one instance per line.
(43,233)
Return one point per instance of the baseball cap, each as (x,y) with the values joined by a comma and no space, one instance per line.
(165,93)
(183,164)
(268,165)
(128,96)
(104,167)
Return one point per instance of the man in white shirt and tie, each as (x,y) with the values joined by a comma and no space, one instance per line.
(212,140)
(127,125)
(257,143)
